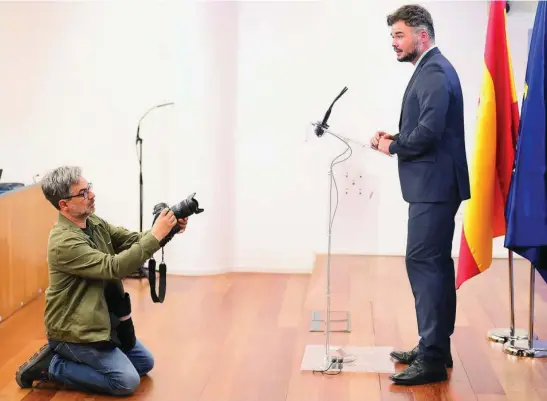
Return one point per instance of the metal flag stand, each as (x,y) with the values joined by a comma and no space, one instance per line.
(319,358)
(531,347)
(509,334)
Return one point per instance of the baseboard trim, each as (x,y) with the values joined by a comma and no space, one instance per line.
(286,270)
(263,270)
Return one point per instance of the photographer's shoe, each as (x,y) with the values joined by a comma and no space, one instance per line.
(36,368)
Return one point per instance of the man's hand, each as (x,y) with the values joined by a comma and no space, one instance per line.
(375,141)
(383,146)
(182,223)
(163,224)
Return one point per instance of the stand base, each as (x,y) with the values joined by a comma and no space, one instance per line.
(522,348)
(504,335)
(355,359)
(337,320)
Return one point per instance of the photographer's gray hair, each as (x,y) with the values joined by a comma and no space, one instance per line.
(56,184)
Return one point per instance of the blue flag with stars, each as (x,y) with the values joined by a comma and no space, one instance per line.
(526,208)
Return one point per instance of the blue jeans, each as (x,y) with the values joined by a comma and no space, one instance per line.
(87,368)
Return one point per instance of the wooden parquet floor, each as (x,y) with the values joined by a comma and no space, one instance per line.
(241,337)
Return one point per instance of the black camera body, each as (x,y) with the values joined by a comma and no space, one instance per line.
(184,208)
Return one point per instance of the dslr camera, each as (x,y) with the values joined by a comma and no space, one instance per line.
(185,208)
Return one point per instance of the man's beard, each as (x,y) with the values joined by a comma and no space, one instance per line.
(85,214)
(411,56)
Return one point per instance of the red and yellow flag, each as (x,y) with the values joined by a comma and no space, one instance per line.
(494,153)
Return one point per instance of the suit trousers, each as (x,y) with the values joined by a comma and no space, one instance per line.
(430,269)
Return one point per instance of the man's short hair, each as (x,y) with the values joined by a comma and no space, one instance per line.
(56,183)
(415,16)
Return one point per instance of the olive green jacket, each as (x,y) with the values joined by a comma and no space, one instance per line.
(79,268)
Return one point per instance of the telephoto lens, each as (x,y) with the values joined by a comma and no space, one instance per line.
(184,208)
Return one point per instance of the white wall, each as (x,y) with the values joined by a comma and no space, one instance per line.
(76,78)
(304,53)
(247,77)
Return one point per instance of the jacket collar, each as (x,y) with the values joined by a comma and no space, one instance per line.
(421,63)
(65,222)
(427,55)
(419,66)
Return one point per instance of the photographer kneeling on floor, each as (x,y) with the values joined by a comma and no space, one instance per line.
(91,339)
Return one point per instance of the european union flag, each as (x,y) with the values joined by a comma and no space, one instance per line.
(526,208)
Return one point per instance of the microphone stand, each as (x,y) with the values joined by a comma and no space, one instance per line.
(321,127)
(352,359)
(316,315)
(142,273)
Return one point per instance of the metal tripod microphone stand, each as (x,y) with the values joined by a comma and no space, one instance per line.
(142,273)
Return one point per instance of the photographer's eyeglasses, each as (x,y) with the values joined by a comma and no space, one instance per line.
(84,193)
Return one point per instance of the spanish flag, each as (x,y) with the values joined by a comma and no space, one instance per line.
(494,152)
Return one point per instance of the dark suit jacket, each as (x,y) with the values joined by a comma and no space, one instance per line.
(430,145)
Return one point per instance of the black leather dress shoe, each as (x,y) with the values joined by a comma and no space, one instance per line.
(407,357)
(421,372)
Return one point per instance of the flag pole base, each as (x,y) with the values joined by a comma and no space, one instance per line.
(538,348)
(504,335)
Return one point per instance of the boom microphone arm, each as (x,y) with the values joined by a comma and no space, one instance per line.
(322,126)
(139,139)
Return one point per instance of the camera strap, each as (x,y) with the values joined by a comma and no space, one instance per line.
(152,278)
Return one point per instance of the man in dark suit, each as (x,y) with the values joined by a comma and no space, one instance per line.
(434,181)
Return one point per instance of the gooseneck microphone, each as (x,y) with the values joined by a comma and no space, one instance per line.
(138,139)
(322,126)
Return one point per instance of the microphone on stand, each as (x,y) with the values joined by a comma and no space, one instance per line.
(138,143)
(139,139)
(322,126)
